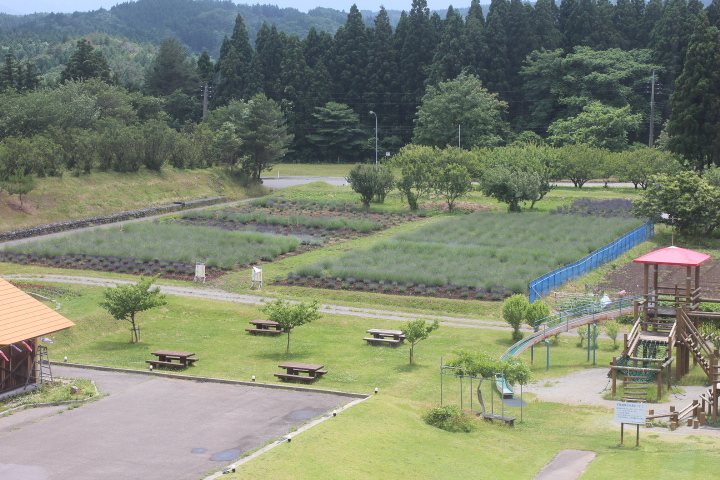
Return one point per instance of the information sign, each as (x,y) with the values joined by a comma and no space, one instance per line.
(630,412)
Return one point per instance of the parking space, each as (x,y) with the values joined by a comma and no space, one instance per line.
(150,427)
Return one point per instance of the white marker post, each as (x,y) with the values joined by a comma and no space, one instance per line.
(632,413)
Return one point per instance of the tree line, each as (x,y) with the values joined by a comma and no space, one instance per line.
(577,78)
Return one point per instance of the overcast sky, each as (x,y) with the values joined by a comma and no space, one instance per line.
(68,6)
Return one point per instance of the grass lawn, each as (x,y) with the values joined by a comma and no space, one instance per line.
(385,435)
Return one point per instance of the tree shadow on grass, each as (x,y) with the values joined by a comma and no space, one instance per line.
(280,356)
(410,368)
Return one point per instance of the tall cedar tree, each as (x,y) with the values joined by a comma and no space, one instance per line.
(497,63)
(7,74)
(475,51)
(695,121)
(382,74)
(86,63)
(713,13)
(171,70)
(295,82)
(669,39)
(266,63)
(450,53)
(205,67)
(233,66)
(545,18)
(416,42)
(349,61)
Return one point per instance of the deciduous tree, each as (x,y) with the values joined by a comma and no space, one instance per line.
(416,330)
(125,301)
(513,311)
(465,103)
(291,315)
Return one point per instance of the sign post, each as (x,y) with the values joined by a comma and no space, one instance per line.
(256,276)
(632,413)
(199,272)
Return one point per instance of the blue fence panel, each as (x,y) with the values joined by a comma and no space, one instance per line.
(541,286)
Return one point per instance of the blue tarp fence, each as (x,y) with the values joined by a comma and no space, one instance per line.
(543,285)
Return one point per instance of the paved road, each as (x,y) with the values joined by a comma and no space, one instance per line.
(149,427)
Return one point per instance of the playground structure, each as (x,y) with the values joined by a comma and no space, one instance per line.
(665,317)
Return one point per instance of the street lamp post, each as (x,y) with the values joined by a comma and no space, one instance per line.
(376,140)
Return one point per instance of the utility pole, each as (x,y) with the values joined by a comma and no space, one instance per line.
(652,108)
(652,111)
(206,96)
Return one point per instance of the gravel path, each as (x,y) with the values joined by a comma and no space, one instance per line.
(214,293)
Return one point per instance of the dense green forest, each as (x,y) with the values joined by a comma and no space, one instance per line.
(583,71)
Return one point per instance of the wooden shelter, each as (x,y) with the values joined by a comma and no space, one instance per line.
(23,320)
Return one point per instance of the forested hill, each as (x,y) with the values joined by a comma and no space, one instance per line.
(199,24)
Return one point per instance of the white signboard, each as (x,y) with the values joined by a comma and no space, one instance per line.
(630,412)
(199,272)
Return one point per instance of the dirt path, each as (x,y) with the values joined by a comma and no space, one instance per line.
(586,387)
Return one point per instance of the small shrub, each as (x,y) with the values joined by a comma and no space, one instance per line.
(387,288)
(450,418)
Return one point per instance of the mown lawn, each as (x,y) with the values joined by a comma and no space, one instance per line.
(385,435)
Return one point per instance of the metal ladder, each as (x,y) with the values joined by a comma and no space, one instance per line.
(43,362)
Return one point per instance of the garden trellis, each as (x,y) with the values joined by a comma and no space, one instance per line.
(543,285)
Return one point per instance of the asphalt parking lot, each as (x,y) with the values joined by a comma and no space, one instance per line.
(150,427)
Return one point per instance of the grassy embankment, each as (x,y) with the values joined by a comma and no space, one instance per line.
(101,193)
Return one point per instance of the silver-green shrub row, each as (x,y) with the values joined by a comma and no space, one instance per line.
(149,241)
(331,223)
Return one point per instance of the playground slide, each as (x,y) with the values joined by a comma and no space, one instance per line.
(503,387)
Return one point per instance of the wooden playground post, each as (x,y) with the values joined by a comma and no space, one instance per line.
(614,372)
(659,381)
(714,380)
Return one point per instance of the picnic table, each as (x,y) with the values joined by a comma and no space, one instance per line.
(172,359)
(295,371)
(265,326)
(380,336)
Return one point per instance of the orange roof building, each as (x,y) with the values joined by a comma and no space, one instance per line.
(22,320)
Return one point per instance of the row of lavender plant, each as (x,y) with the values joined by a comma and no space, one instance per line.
(147,243)
(612,207)
(305,275)
(330,223)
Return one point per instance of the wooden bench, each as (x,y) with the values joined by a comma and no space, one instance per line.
(491,418)
(388,341)
(288,376)
(166,364)
(264,330)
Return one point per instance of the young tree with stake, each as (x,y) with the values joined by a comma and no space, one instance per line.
(416,330)
(290,315)
(125,301)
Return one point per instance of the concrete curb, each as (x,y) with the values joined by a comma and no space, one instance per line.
(287,438)
(214,380)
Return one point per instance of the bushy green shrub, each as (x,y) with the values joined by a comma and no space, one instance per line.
(450,418)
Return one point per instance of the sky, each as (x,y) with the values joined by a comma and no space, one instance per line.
(69,6)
